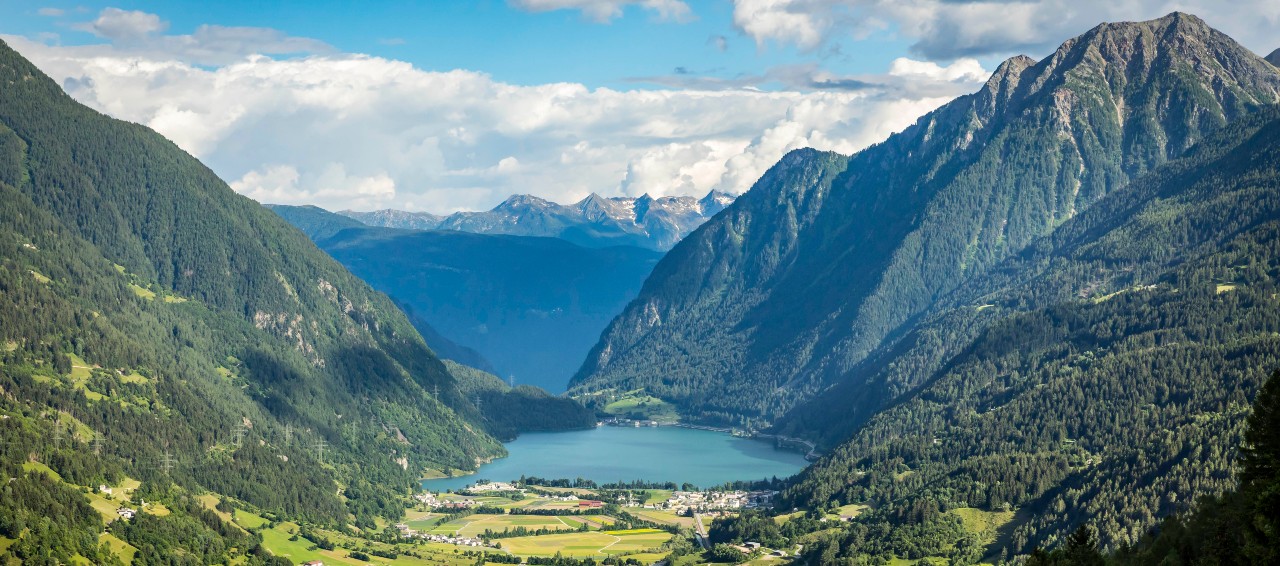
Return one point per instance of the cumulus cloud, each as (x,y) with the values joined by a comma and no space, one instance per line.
(608,10)
(284,184)
(354,131)
(946,29)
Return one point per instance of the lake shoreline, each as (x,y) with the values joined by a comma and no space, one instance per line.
(676,453)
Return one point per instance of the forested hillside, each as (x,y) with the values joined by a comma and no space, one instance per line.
(531,306)
(160,327)
(319,224)
(796,284)
(1103,376)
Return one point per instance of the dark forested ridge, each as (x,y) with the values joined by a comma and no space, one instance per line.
(159,326)
(509,410)
(787,291)
(531,306)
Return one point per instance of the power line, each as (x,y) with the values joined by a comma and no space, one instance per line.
(320,446)
(167,462)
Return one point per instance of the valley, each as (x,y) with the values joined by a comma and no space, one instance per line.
(1039,326)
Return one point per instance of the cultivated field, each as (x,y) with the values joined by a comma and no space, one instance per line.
(475,525)
(595,543)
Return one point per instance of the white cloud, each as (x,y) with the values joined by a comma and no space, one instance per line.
(353,131)
(608,10)
(283,184)
(797,22)
(51,12)
(125,25)
(140,35)
(946,29)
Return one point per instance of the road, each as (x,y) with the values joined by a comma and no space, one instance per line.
(700,532)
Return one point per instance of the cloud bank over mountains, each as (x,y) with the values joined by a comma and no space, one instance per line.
(292,120)
(947,29)
(289,120)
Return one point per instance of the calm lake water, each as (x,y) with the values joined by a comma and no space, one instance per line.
(609,454)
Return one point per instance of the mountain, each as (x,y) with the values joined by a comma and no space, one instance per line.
(592,222)
(531,306)
(159,326)
(785,293)
(320,224)
(1274,58)
(509,410)
(1101,377)
(389,218)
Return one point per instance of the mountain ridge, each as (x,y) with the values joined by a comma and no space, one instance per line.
(169,311)
(1089,377)
(594,221)
(807,273)
(530,306)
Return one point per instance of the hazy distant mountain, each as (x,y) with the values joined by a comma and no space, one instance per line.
(1274,58)
(596,221)
(530,306)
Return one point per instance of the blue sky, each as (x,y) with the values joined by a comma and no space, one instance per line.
(445,106)
(513,45)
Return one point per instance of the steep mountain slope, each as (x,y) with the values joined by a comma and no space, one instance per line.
(509,410)
(320,224)
(796,283)
(1274,58)
(1102,376)
(530,306)
(592,222)
(197,337)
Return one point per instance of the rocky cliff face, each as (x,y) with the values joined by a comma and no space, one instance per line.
(797,282)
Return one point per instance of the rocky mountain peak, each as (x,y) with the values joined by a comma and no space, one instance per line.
(1274,58)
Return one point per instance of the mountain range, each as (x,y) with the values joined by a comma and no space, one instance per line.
(805,276)
(1055,295)
(596,221)
(523,307)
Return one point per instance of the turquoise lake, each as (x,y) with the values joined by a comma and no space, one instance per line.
(610,454)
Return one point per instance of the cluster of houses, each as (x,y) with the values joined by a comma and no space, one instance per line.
(407,532)
(430,500)
(493,486)
(682,502)
(124,512)
(750,547)
(628,422)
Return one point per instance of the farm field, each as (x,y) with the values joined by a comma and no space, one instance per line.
(475,525)
(277,540)
(586,544)
(636,403)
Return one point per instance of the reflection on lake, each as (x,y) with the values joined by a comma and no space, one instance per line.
(609,454)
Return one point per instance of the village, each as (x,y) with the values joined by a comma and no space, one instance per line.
(686,503)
